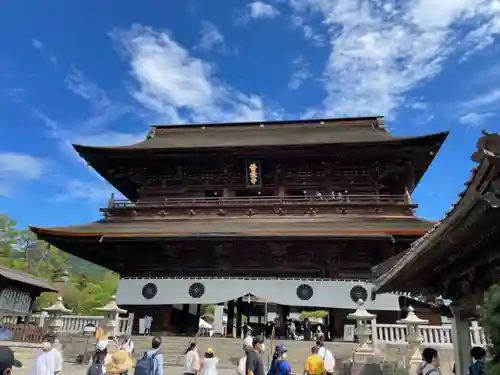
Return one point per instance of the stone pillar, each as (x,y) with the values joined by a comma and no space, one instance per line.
(414,339)
(111,313)
(364,359)
(460,334)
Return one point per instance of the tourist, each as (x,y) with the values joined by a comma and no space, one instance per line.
(275,356)
(7,360)
(209,363)
(49,359)
(242,363)
(327,357)
(477,367)
(191,360)
(151,362)
(314,364)
(280,366)
(293,330)
(254,364)
(430,365)
(148,321)
(127,345)
(98,362)
(120,363)
(245,329)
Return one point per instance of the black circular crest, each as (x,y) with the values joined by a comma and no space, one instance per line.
(358,292)
(196,290)
(304,292)
(149,291)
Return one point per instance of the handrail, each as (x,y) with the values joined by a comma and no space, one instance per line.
(264,200)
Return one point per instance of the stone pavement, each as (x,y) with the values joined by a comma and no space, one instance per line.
(73,369)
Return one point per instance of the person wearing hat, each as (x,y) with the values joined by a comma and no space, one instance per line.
(100,359)
(280,366)
(119,363)
(7,361)
(209,363)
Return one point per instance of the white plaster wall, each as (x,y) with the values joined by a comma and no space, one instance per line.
(326,293)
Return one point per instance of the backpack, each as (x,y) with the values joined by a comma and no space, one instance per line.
(477,368)
(95,369)
(428,372)
(145,365)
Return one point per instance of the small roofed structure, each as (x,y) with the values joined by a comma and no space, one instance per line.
(18,292)
(458,259)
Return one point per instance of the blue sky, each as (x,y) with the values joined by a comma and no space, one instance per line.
(97,73)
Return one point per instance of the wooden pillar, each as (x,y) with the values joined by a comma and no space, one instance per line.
(185,318)
(239,306)
(230,318)
(460,332)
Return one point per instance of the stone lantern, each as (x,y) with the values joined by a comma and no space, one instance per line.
(111,313)
(56,311)
(364,353)
(413,337)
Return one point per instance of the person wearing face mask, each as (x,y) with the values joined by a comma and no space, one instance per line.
(7,360)
(48,360)
(254,365)
(280,366)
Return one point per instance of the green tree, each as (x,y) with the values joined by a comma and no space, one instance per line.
(90,286)
(320,314)
(8,237)
(491,324)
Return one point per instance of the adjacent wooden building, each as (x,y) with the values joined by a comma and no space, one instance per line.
(459,258)
(295,213)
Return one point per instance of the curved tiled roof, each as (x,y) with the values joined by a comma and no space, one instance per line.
(466,201)
(26,278)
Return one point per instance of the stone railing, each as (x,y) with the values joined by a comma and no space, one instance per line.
(76,324)
(435,336)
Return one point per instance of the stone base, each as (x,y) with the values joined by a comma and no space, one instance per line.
(366,369)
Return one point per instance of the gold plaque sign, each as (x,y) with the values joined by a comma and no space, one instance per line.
(253,174)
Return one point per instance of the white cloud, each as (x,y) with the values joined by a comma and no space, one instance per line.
(37,44)
(484,100)
(259,9)
(474,119)
(98,193)
(179,87)
(300,74)
(88,137)
(211,37)
(16,168)
(380,51)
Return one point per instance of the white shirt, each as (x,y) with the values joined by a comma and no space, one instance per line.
(128,346)
(47,363)
(328,359)
(242,364)
(191,362)
(210,366)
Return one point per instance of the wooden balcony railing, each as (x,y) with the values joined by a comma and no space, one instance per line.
(265,200)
